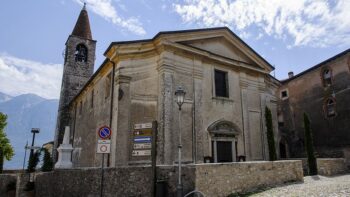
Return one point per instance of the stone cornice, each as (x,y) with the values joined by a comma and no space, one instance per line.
(122,79)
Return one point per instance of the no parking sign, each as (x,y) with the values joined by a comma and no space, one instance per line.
(104,145)
(104,132)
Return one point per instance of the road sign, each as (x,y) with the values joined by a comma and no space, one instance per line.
(143,126)
(146,132)
(142,146)
(142,139)
(141,152)
(104,132)
(104,146)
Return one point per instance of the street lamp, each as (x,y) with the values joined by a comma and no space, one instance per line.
(34,131)
(180,98)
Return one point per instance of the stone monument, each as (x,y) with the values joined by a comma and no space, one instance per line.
(65,152)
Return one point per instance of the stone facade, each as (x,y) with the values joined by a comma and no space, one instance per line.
(323,93)
(136,84)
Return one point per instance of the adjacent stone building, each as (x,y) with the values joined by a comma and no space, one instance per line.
(323,93)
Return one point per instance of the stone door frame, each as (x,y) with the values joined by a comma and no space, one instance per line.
(233,141)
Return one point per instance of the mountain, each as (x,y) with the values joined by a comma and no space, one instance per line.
(4,97)
(25,112)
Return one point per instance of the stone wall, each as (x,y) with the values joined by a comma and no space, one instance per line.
(211,179)
(331,166)
(225,179)
(5,179)
(128,181)
(326,166)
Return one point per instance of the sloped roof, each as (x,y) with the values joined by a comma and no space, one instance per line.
(82,26)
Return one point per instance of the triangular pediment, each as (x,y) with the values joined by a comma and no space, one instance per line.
(219,41)
(220,46)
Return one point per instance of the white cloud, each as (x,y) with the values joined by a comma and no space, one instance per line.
(308,22)
(106,10)
(21,76)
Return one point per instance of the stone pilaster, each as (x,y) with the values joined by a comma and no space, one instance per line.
(165,117)
(200,132)
(120,149)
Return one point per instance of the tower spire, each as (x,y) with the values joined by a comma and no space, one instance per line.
(82,26)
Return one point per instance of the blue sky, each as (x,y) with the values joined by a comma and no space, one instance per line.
(292,35)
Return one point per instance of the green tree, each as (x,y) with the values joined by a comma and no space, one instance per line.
(309,147)
(270,136)
(6,150)
(47,161)
(33,161)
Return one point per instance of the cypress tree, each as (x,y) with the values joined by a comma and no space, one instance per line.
(270,136)
(312,163)
(47,161)
(33,161)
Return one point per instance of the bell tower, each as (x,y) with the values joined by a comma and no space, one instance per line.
(79,58)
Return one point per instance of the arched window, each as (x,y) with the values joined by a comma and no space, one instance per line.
(81,53)
(330,107)
(327,77)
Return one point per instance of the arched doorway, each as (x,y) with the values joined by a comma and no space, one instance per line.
(223,136)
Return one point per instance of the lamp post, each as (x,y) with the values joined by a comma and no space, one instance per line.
(180,98)
(34,131)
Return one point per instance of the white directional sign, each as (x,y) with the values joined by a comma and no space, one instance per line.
(141,152)
(143,126)
(142,146)
(104,146)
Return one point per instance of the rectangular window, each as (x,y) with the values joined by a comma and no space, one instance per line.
(221,87)
(284,94)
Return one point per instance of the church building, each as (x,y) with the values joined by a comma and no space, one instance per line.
(227,87)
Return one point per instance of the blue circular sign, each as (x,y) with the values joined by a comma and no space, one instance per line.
(105,132)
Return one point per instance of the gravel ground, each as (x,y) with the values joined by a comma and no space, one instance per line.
(313,186)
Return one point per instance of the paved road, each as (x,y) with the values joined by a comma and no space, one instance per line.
(313,186)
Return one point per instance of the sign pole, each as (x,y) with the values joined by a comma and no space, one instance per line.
(101,187)
(154,156)
(103,147)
